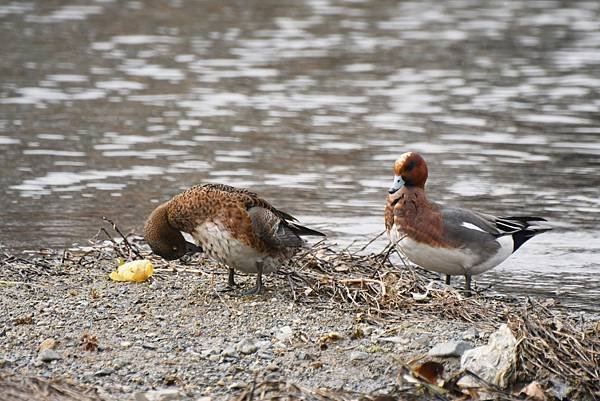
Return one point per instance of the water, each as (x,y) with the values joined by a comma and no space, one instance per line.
(107,108)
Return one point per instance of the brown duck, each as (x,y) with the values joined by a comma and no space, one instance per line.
(233,226)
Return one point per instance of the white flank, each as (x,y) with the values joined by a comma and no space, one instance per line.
(457,261)
(220,245)
(471,226)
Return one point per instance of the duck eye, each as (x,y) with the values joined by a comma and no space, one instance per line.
(175,248)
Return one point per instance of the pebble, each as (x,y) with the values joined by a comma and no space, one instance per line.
(229,352)
(126,344)
(149,346)
(470,334)
(273,367)
(204,398)
(246,347)
(265,355)
(48,343)
(264,344)
(237,386)
(214,358)
(104,372)
(159,395)
(284,334)
(358,356)
(48,355)
(450,348)
(395,340)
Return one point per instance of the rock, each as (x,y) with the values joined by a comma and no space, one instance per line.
(267,355)
(450,348)
(229,352)
(214,358)
(204,398)
(246,347)
(494,362)
(48,355)
(358,356)
(126,344)
(159,395)
(470,334)
(264,345)
(395,340)
(48,343)
(104,372)
(149,346)
(273,367)
(284,334)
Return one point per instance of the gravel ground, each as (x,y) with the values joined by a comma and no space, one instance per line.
(176,332)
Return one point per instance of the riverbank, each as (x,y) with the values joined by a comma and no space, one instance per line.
(335,325)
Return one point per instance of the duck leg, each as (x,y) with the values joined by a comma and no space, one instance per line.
(230,279)
(448,279)
(259,286)
(230,282)
(468,285)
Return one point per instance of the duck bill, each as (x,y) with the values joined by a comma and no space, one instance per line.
(396,185)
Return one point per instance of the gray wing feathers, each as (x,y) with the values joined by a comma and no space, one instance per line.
(272,229)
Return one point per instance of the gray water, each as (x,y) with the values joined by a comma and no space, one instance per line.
(109,107)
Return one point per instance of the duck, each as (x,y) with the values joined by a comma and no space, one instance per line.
(444,239)
(233,226)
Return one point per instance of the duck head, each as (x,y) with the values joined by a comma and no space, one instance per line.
(164,240)
(410,170)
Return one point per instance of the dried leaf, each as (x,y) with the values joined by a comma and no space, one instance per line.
(328,338)
(430,371)
(534,391)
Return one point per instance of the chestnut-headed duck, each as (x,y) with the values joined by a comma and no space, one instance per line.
(233,226)
(444,239)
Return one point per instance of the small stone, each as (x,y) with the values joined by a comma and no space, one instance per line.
(159,395)
(126,344)
(104,372)
(450,348)
(358,356)
(149,346)
(214,358)
(470,334)
(246,347)
(395,340)
(221,382)
(284,334)
(264,344)
(265,355)
(204,398)
(237,386)
(272,367)
(48,355)
(229,352)
(272,376)
(48,343)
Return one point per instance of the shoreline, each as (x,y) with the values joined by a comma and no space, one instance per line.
(346,322)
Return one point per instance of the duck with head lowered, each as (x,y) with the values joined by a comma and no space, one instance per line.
(445,239)
(234,226)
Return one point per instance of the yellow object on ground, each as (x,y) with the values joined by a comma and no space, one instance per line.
(138,271)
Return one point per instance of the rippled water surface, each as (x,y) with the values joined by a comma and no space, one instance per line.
(109,107)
